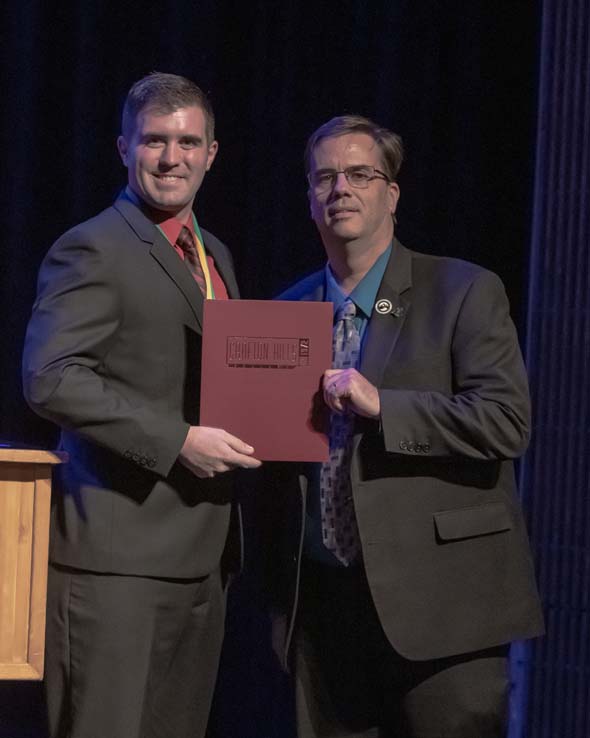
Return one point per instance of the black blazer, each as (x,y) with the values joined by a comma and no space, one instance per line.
(112,355)
(443,540)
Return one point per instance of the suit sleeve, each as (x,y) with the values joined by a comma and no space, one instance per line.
(487,414)
(67,375)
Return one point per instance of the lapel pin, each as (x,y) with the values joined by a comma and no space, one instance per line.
(383,307)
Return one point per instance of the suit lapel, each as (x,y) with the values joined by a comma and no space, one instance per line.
(222,264)
(164,254)
(169,260)
(384,328)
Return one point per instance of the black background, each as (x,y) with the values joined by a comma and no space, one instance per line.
(456,79)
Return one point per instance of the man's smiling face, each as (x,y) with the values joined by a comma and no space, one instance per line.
(344,213)
(167,155)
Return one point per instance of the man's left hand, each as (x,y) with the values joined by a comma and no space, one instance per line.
(347,390)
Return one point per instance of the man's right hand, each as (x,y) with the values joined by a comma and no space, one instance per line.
(210,451)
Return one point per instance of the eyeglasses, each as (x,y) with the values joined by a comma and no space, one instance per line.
(358,177)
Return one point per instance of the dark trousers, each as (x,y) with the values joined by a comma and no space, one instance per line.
(131,657)
(351,683)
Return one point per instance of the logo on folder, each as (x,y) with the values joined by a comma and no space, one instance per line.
(266,353)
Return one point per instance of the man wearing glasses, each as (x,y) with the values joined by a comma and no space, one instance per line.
(413,566)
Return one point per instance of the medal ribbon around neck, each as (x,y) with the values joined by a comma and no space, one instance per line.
(203,259)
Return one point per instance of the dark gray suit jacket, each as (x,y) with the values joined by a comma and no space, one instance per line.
(444,545)
(112,355)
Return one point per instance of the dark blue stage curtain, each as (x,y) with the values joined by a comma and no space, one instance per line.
(555,475)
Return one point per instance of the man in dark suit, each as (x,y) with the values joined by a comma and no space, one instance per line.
(409,568)
(142,510)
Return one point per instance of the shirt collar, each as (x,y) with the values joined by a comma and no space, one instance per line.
(365,293)
(171,227)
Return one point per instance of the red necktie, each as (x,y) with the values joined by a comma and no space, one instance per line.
(191,257)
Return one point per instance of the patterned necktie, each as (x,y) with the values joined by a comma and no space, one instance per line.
(191,257)
(339,528)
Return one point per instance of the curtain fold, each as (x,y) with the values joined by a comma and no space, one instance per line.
(553,673)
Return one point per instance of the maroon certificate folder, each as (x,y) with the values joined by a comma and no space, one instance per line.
(262,364)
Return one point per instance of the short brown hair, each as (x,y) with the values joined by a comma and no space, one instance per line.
(390,144)
(166,93)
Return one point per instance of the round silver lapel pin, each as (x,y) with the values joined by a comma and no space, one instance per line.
(383,307)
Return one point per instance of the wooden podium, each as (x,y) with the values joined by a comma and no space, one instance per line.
(25,496)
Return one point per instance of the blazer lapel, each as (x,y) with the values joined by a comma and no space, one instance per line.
(164,254)
(384,327)
(222,264)
(169,260)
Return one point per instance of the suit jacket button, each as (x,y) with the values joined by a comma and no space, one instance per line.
(426,448)
(403,445)
(151,463)
(411,446)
